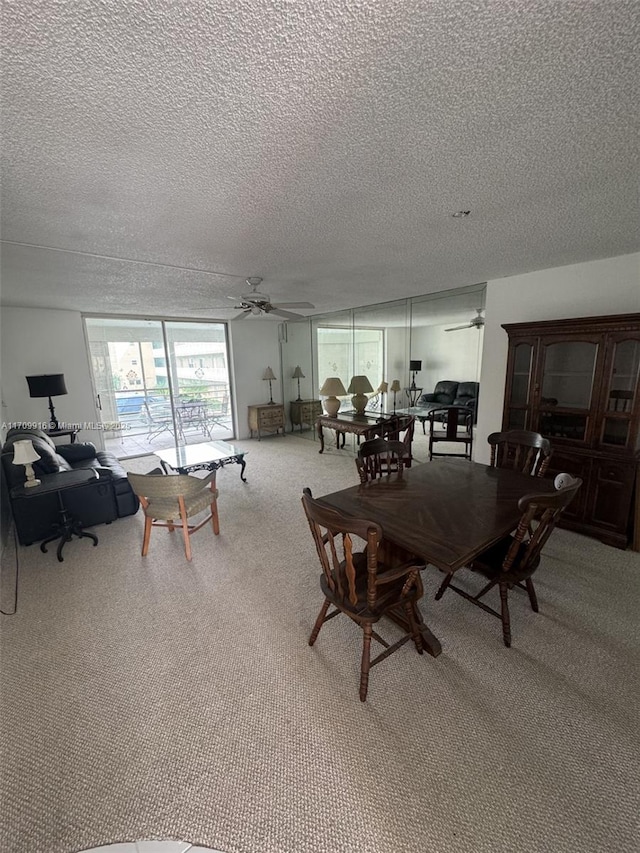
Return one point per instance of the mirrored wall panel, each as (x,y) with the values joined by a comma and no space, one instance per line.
(393,353)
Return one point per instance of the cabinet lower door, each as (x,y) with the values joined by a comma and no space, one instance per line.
(611,495)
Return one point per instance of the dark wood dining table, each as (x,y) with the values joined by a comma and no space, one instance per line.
(446,512)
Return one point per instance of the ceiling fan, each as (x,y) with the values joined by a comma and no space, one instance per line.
(256,303)
(476,323)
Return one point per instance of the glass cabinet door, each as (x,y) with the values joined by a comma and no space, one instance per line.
(567,387)
(620,392)
(519,393)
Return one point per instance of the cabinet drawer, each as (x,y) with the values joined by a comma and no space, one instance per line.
(270,418)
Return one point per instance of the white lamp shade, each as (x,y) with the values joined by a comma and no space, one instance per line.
(297,373)
(268,374)
(383,387)
(360,385)
(395,385)
(24,452)
(333,387)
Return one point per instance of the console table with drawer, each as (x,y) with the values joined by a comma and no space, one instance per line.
(266,418)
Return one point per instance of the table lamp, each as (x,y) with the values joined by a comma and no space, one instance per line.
(395,387)
(24,453)
(359,387)
(48,385)
(298,374)
(270,376)
(331,389)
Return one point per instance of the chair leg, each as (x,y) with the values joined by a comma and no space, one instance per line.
(215,520)
(443,586)
(187,540)
(366,657)
(533,598)
(319,622)
(147,535)
(506,624)
(416,636)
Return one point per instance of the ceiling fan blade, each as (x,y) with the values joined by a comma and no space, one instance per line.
(286,314)
(457,328)
(294,305)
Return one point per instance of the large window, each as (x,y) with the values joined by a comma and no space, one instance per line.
(160,383)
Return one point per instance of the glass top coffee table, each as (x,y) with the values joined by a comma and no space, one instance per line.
(207,456)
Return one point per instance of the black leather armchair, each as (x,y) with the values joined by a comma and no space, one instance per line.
(467,395)
(100,501)
(443,394)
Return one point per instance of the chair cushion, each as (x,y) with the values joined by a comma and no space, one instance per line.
(466,394)
(167,508)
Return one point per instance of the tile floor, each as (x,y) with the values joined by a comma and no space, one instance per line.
(151,847)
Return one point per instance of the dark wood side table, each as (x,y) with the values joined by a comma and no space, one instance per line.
(304,412)
(58,433)
(67,527)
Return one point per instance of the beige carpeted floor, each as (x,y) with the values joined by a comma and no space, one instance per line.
(152,698)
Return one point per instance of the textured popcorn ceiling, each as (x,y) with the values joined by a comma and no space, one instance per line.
(157,153)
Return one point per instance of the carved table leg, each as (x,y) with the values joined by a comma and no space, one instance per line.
(321,437)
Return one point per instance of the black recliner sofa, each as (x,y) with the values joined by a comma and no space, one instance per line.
(448,393)
(99,501)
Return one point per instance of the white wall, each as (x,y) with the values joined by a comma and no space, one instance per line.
(34,341)
(610,286)
(454,356)
(254,346)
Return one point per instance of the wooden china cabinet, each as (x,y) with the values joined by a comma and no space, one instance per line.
(577,382)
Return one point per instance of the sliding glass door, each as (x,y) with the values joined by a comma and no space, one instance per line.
(160,383)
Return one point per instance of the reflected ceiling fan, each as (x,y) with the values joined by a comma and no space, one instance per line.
(256,303)
(476,323)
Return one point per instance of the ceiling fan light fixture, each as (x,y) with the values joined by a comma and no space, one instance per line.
(461,214)
(254,281)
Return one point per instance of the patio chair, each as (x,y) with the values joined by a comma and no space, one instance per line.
(159,419)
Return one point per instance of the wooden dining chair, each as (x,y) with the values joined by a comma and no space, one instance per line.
(520,450)
(453,425)
(358,584)
(169,501)
(513,560)
(401,428)
(377,457)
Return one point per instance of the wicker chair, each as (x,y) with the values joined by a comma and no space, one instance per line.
(175,499)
